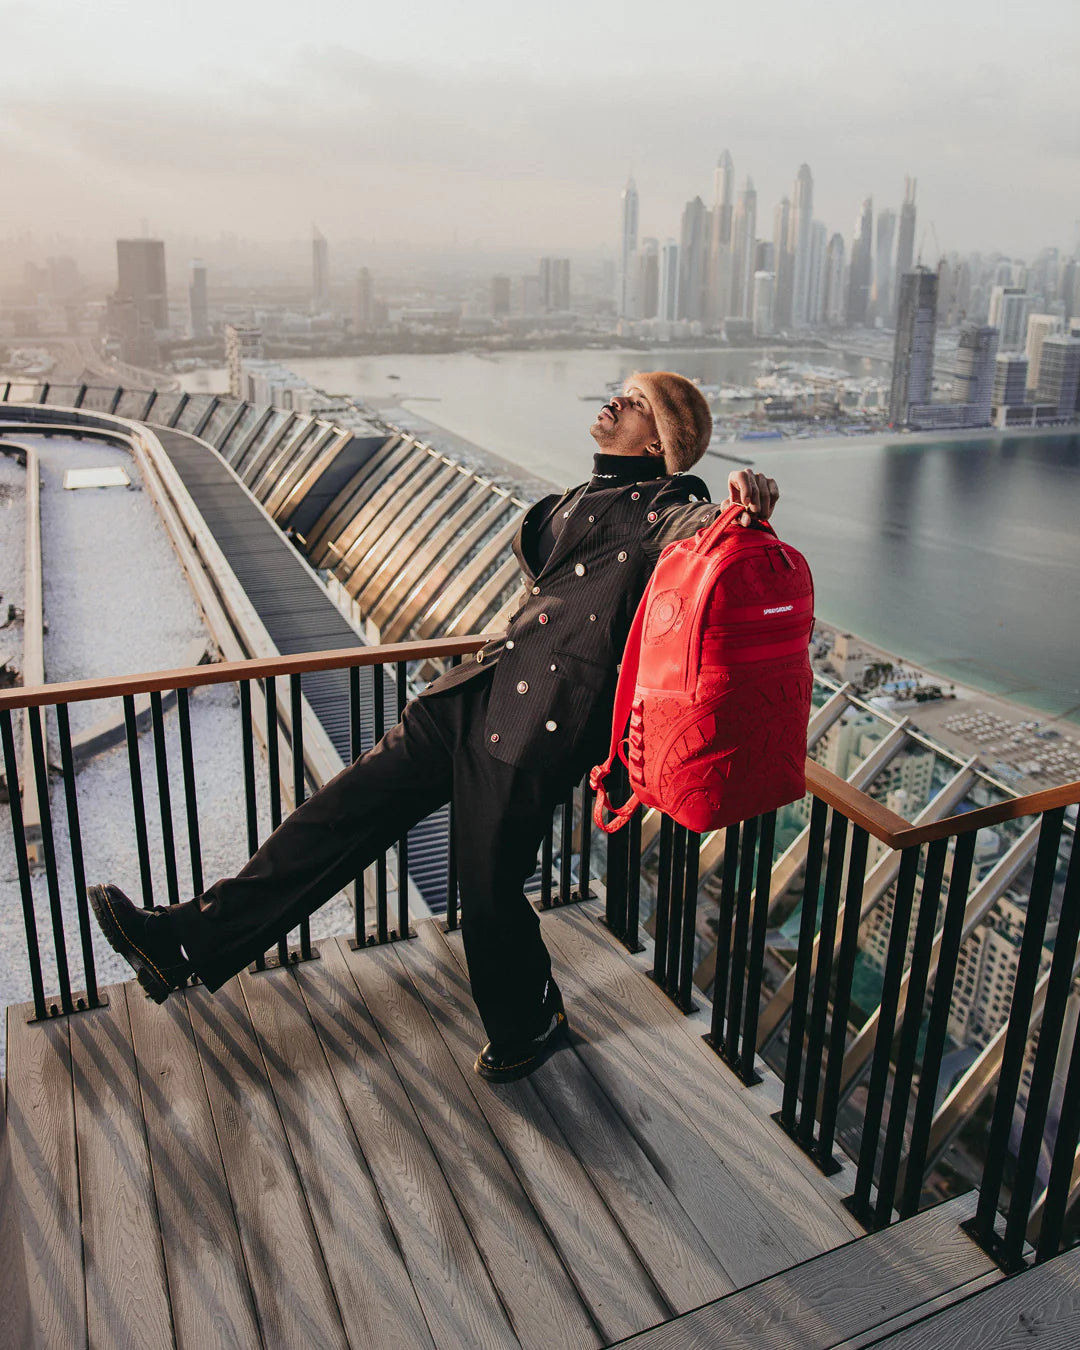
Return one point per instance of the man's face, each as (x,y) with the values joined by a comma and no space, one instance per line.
(625,425)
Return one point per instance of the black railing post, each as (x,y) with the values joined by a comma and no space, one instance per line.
(299,784)
(247,738)
(161,764)
(740,938)
(451,859)
(11,773)
(585,843)
(684,994)
(803,963)
(676,905)
(356,749)
(845,970)
(566,850)
(904,1073)
(819,1010)
(273,774)
(78,871)
(118,394)
(41,776)
(981,1227)
(724,920)
(403,842)
(661,935)
(952,936)
(137,800)
(547,856)
(756,960)
(191,803)
(1042,1077)
(895,959)
(631,937)
(378,702)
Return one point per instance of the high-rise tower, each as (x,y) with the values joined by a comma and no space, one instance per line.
(862,254)
(975,365)
(628,249)
(783,263)
(743,228)
(692,261)
(913,353)
(800,235)
(718,267)
(905,238)
(884,271)
(668,307)
(835,299)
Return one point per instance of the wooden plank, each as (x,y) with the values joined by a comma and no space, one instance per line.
(540,1299)
(632,1180)
(616,1287)
(769,1208)
(932,1305)
(841,1294)
(16,1324)
(44,1175)
(209,1289)
(376,1297)
(783,1172)
(1041,1304)
(461,1305)
(293,1296)
(127,1294)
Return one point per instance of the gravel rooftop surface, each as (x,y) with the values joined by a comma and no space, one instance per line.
(116,602)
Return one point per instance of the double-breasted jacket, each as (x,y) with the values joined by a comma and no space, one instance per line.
(556,666)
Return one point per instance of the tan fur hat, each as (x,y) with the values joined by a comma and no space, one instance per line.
(682,414)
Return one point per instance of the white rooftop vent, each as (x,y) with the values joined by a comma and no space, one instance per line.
(96,478)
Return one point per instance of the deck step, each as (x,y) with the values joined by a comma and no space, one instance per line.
(1040,1304)
(844,1297)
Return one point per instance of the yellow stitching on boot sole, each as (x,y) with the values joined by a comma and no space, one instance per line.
(131,944)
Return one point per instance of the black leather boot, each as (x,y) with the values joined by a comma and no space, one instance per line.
(145,938)
(504,1063)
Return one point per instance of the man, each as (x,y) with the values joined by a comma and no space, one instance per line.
(507,735)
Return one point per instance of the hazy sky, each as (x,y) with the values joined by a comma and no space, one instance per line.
(518,123)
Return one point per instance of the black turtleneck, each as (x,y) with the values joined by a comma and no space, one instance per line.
(609,471)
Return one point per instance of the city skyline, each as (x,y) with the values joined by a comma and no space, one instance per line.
(515,128)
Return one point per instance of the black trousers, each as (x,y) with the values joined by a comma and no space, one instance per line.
(501,815)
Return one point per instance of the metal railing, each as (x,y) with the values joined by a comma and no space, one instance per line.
(271,749)
(898,1129)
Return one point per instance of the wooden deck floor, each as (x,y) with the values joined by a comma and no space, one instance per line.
(307,1159)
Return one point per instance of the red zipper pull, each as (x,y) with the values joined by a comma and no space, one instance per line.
(783,553)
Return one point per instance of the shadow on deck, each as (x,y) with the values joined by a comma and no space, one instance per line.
(307,1159)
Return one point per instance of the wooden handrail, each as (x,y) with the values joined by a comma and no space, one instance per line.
(898,833)
(861,809)
(224,672)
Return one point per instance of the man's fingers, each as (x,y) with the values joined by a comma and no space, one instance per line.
(756,491)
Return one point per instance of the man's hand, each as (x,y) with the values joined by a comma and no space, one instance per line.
(758,494)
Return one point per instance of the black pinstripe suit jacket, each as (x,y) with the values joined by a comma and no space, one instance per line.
(556,666)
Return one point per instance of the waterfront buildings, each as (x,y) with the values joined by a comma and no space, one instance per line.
(624,307)
(320,271)
(975,368)
(1010,379)
(140,266)
(913,357)
(1059,374)
(1009,310)
(364,315)
(647,279)
(198,300)
(1039,328)
(500,297)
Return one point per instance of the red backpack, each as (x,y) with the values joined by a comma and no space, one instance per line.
(715,681)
